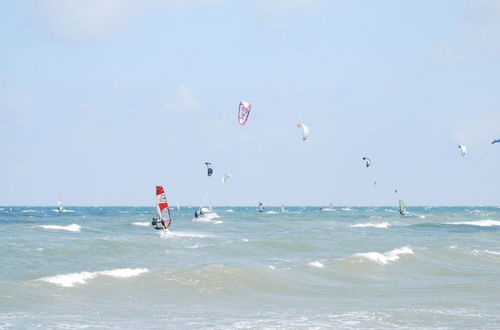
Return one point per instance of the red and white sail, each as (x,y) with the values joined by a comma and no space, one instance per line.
(161,204)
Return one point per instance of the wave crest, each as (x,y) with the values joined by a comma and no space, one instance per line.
(69,280)
(73,227)
(384,258)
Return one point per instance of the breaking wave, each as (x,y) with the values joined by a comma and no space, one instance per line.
(73,227)
(383,258)
(69,280)
(480,223)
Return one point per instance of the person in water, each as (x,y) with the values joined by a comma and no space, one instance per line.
(165,224)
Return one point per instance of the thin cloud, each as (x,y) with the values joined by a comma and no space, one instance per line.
(184,99)
(77,20)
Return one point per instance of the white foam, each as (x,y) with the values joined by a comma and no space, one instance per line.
(480,223)
(370,224)
(208,220)
(63,211)
(124,272)
(229,211)
(39,249)
(142,224)
(73,227)
(481,252)
(29,211)
(386,257)
(346,209)
(171,234)
(271,212)
(316,264)
(69,280)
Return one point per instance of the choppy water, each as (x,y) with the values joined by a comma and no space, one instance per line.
(107,268)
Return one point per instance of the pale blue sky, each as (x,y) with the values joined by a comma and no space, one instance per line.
(102,100)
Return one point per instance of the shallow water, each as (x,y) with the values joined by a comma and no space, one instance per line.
(355,267)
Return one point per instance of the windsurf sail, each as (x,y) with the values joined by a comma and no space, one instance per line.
(244,112)
(402,207)
(163,219)
(305,131)
(463,149)
(210,169)
(261,207)
(60,206)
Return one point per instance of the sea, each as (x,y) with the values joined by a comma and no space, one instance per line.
(305,268)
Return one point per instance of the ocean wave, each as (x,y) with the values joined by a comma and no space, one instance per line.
(73,227)
(480,223)
(29,211)
(69,280)
(486,252)
(229,211)
(370,224)
(142,224)
(383,258)
(271,212)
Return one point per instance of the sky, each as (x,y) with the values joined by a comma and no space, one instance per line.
(100,101)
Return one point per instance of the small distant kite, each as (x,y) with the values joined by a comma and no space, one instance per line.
(495,141)
(368,161)
(463,149)
(305,131)
(244,112)
(210,170)
(226,177)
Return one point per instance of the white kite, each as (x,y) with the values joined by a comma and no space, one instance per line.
(305,131)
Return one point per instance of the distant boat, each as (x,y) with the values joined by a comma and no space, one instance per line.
(402,207)
(60,206)
(163,219)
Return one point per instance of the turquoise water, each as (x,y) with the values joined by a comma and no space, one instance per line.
(351,268)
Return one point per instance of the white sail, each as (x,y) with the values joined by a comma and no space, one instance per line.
(60,206)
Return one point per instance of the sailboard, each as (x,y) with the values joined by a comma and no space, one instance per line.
(163,219)
(402,207)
